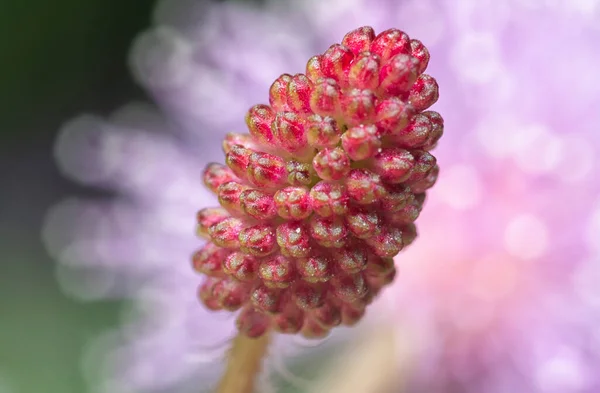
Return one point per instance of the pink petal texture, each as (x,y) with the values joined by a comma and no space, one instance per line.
(500,288)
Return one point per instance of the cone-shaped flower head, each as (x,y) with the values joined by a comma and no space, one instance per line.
(323,192)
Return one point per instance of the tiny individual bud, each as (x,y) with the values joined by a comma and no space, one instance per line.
(364,186)
(409,233)
(229,195)
(230,294)
(209,260)
(293,203)
(399,74)
(396,197)
(332,163)
(393,165)
(424,92)
(225,233)
(325,97)
(313,330)
(313,69)
(379,267)
(266,170)
(237,160)
(298,173)
(329,231)
(309,296)
(322,131)
(232,138)
(289,131)
(269,300)
(278,93)
(277,271)
(329,198)
(350,288)
(406,215)
(208,217)
(294,239)
(241,266)
(390,43)
(351,259)
(388,243)
(424,163)
(352,314)
(206,294)
(257,204)
(217,174)
(327,315)
(363,223)
(358,106)
(427,182)
(316,268)
(415,134)
(364,71)
(392,115)
(335,62)
(258,240)
(361,142)
(252,323)
(437,129)
(298,93)
(419,52)
(290,321)
(259,119)
(359,40)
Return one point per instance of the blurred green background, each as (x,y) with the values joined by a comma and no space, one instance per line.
(57,59)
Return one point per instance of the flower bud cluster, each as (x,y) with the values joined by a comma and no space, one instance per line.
(323,193)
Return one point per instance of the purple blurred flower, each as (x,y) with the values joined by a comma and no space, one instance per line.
(501,285)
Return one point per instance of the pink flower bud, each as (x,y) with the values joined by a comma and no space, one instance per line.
(217,174)
(225,233)
(277,271)
(294,239)
(332,164)
(316,268)
(258,240)
(364,187)
(359,40)
(278,93)
(358,106)
(361,142)
(259,119)
(208,217)
(390,43)
(329,231)
(322,131)
(419,52)
(335,62)
(230,196)
(298,93)
(293,203)
(313,69)
(325,97)
(257,204)
(241,266)
(329,198)
(399,74)
(392,115)
(393,165)
(424,93)
(289,131)
(266,170)
(364,71)
(324,190)
(209,260)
